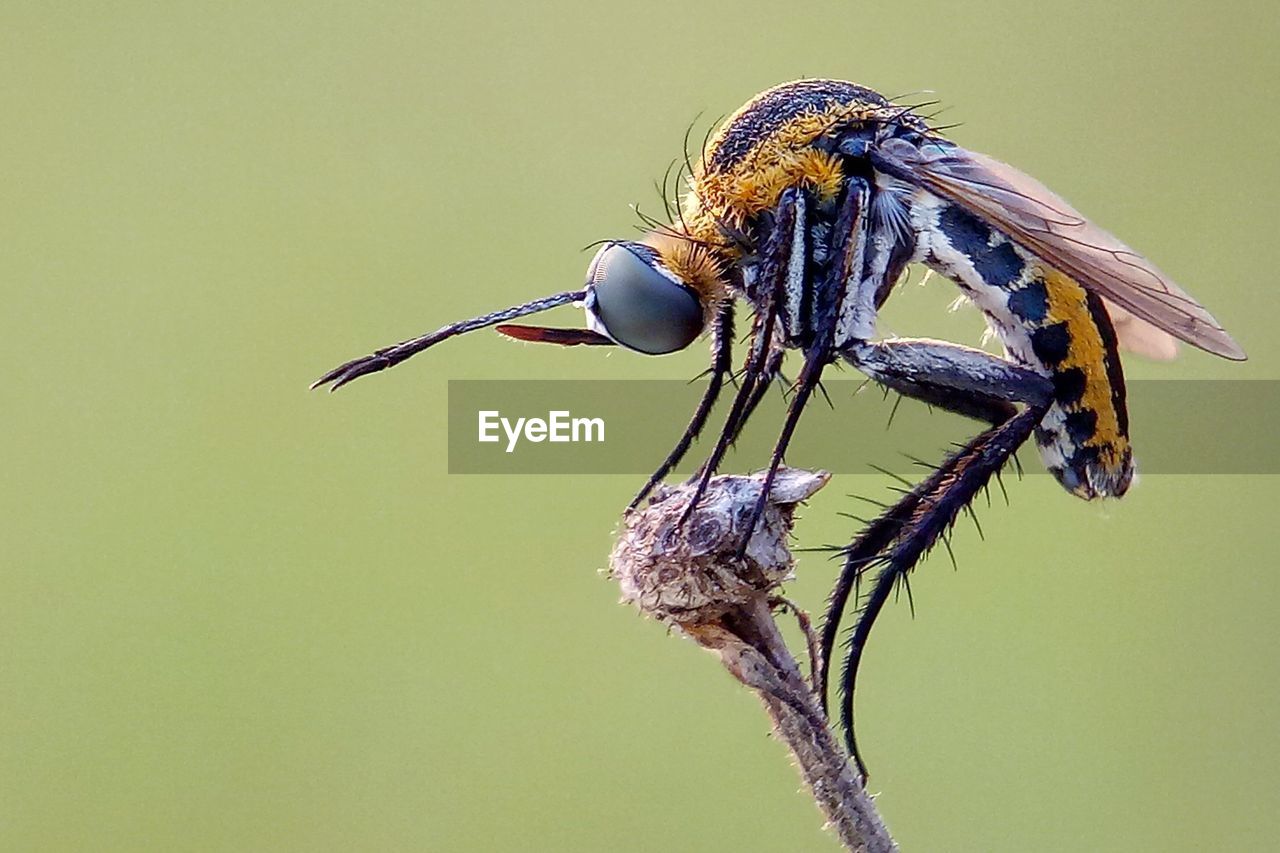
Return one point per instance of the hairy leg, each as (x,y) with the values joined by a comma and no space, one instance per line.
(959,379)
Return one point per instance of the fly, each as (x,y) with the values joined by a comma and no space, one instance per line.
(808,204)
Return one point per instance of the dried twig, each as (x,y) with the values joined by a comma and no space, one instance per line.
(691,578)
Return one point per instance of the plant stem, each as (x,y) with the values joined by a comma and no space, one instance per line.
(691,576)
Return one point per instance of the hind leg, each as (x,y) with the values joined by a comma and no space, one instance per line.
(961,380)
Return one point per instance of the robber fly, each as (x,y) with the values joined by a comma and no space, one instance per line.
(809,203)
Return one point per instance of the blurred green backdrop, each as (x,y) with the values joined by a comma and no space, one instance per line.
(235,615)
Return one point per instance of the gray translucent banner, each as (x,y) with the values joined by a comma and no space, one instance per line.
(628,427)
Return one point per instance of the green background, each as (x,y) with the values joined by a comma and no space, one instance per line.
(235,615)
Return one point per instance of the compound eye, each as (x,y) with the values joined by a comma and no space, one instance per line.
(639,306)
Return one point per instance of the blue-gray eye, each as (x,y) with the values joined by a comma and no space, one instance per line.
(639,306)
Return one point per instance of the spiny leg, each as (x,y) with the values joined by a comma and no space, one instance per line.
(721,364)
(771,372)
(773,273)
(876,537)
(956,378)
(959,379)
(927,512)
(763,381)
(810,374)
(734,421)
(829,304)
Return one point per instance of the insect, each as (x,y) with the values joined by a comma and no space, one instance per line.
(808,204)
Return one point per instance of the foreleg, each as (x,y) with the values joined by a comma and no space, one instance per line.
(774,265)
(721,364)
(844,278)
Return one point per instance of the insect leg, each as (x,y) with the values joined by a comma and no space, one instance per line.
(773,274)
(934,371)
(968,382)
(752,372)
(956,378)
(771,371)
(815,360)
(923,516)
(845,276)
(914,368)
(721,364)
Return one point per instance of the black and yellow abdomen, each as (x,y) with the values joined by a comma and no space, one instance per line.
(1047,321)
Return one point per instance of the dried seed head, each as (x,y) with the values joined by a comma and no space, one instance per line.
(691,574)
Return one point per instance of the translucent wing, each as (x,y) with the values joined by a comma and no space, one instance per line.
(1043,223)
(1137,335)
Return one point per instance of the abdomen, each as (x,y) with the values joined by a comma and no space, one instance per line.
(1049,323)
